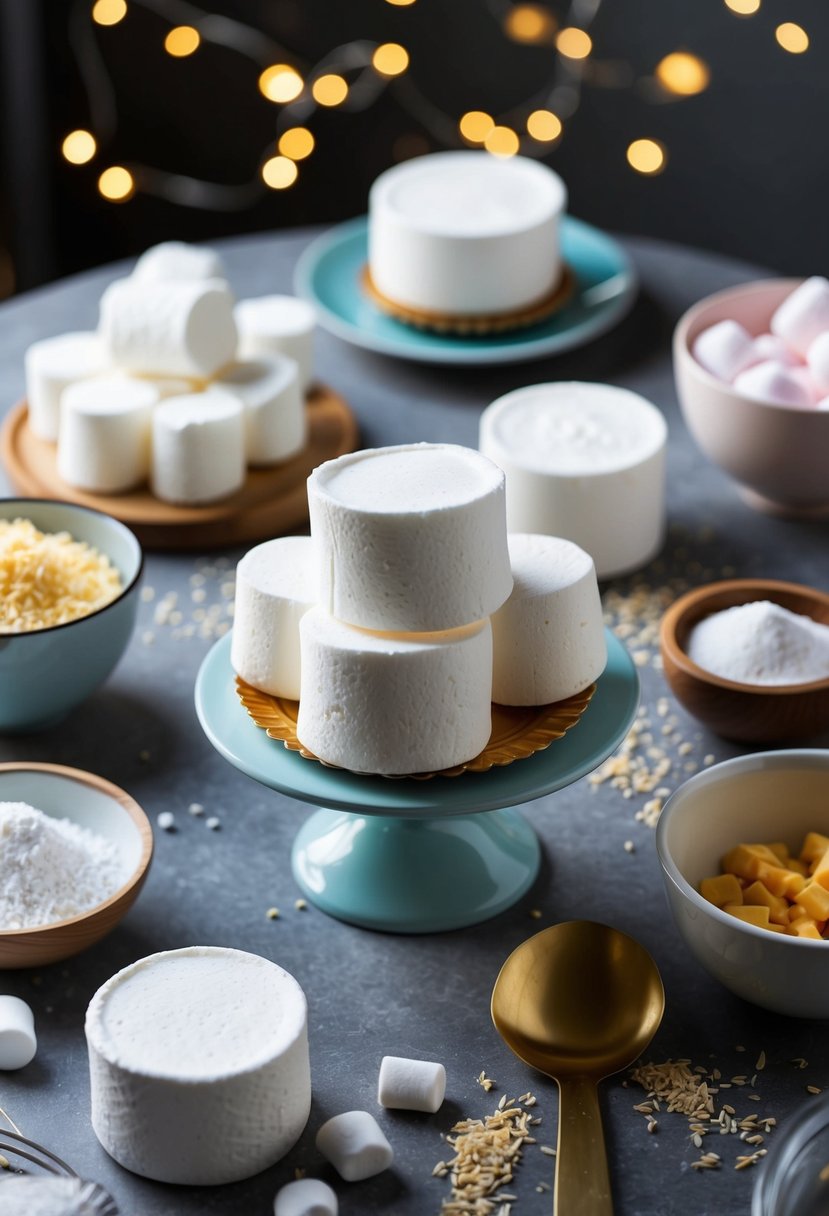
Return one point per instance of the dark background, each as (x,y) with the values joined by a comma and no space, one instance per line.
(746,169)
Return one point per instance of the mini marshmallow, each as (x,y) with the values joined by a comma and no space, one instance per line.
(807,382)
(275,422)
(803,315)
(170,328)
(411,1084)
(773,383)
(355,1145)
(725,350)
(769,346)
(52,365)
(276,585)
(306,1197)
(198,448)
(177,261)
(817,360)
(278,325)
(105,428)
(18,1043)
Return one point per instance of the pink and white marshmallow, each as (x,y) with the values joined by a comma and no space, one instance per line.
(769,346)
(775,384)
(725,350)
(803,315)
(818,361)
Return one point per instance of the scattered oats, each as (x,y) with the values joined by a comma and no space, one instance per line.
(195,808)
(486,1154)
(144,756)
(813,1089)
(228,590)
(641,657)
(824,1174)
(754,1097)
(629,846)
(697,1139)
(166,820)
(486,1083)
(213,823)
(148,637)
(502,1103)
(272,913)
(708,760)
(199,595)
(535,913)
(685,749)
(300,904)
(800,1062)
(440,1170)
(761,1063)
(197,580)
(299,1173)
(147,595)
(4,1163)
(758,1139)
(547,1150)
(652,1125)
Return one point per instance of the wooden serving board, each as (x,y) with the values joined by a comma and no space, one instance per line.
(272,501)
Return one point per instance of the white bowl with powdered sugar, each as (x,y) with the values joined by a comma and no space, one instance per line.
(76,850)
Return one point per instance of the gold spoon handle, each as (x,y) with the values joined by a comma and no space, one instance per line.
(582,1181)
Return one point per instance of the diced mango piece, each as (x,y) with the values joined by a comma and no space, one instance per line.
(754,914)
(799,867)
(721,890)
(820,872)
(780,850)
(805,928)
(814,899)
(798,913)
(778,928)
(778,907)
(814,846)
(745,860)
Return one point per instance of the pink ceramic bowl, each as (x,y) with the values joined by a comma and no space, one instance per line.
(779,456)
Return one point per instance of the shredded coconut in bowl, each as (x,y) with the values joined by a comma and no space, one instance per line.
(52,868)
(761,643)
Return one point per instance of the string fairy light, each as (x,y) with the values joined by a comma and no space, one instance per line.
(743,8)
(109,12)
(792,38)
(683,73)
(647,156)
(181,41)
(116,184)
(79,147)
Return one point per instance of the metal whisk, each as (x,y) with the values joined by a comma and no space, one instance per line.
(53,1186)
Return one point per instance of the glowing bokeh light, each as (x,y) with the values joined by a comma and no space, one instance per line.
(329,90)
(647,156)
(390,59)
(574,43)
(280,83)
(116,184)
(79,147)
(400,3)
(296,143)
(683,73)
(744,8)
(529,23)
(109,12)
(793,38)
(502,141)
(279,172)
(182,41)
(475,126)
(544,125)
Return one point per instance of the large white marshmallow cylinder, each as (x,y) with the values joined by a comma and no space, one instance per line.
(51,366)
(278,325)
(585,462)
(466,233)
(105,430)
(174,261)
(276,585)
(548,638)
(394,703)
(198,447)
(410,538)
(183,328)
(275,421)
(199,1065)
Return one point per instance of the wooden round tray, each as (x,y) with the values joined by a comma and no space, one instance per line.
(271,502)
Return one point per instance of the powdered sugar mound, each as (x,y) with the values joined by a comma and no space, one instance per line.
(51,868)
(761,643)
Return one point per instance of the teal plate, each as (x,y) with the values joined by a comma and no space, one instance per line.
(416,856)
(328,274)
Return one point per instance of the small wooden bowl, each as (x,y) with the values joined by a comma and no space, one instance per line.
(101,807)
(749,713)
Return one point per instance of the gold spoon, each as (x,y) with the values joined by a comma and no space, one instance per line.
(579,1001)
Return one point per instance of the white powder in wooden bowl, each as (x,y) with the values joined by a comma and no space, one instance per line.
(761,643)
(52,868)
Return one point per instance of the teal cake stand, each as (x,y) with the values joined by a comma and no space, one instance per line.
(416,856)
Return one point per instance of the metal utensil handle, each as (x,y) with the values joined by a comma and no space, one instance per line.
(582,1180)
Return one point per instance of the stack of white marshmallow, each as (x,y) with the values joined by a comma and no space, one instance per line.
(788,366)
(408,610)
(180,385)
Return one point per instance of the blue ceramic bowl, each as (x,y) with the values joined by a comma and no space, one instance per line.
(45,673)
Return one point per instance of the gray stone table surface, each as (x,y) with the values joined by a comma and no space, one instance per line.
(371,993)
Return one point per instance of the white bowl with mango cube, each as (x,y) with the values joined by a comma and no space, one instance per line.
(744,848)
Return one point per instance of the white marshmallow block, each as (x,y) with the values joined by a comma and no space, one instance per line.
(725,349)
(803,315)
(355,1145)
(817,360)
(548,639)
(174,386)
(394,703)
(410,538)
(18,1042)
(774,384)
(198,447)
(105,430)
(585,462)
(174,261)
(199,1065)
(770,347)
(305,1197)
(278,325)
(276,426)
(183,328)
(276,585)
(53,364)
(411,1084)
